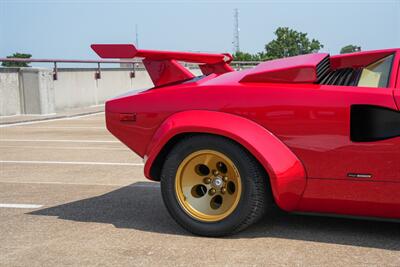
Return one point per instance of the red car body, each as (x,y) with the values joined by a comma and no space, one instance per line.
(327,148)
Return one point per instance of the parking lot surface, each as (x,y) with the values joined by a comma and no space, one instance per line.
(71,194)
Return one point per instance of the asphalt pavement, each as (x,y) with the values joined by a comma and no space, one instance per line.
(71,194)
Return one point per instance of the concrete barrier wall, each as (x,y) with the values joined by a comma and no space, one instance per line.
(10,103)
(79,88)
(37,91)
(33,90)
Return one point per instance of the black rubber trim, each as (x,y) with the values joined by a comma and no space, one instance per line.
(370,123)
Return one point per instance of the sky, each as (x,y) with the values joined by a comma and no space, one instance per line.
(65,29)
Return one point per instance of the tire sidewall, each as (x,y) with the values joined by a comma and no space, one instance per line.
(238,156)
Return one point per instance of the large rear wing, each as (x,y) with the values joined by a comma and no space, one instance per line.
(163,66)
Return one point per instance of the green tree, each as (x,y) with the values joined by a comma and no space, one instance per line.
(289,42)
(17,64)
(243,56)
(350,49)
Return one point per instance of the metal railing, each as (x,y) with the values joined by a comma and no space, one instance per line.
(56,61)
(238,65)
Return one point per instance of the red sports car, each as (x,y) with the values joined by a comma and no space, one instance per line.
(311,134)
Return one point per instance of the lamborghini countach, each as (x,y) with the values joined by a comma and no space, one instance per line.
(312,133)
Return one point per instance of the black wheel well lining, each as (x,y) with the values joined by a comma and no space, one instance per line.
(156,168)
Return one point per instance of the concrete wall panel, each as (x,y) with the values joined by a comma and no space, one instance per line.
(10,103)
(33,91)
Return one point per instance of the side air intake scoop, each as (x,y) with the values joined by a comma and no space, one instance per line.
(299,69)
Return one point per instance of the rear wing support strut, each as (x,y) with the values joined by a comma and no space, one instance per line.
(163,66)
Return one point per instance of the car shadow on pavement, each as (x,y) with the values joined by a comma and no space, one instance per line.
(139,206)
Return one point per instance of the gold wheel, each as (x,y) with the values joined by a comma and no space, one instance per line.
(208,185)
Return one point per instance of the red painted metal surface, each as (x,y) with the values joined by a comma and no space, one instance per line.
(287,174)
(129,51)
(299,69)
(166,71)
(395,79)
(396,94)
(300,133)
(359,59)
(115,50)
(162,66)
(337,197)
(218,68)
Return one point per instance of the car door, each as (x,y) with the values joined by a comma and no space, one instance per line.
(357,170)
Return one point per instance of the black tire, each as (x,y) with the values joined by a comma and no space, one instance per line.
(255,198)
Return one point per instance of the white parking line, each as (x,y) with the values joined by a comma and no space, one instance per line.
(145,184)
(68,147)
(61,127)
(50,120)
(70,162)
(20,206)
(60,141)
(62,183)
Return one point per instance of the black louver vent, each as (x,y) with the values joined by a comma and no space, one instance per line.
(323,68)
(345,76)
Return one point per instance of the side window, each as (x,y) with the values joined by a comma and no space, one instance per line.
(376,74)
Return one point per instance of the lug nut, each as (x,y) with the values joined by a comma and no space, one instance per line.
(207,180)
(225,178)
(212,191)
(215,172)
(223,190)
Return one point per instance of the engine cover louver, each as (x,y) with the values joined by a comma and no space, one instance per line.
(342,76)
(323,68)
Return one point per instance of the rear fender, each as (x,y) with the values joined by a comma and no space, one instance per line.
(286,172)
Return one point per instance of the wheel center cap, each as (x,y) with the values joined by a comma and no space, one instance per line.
(217,182)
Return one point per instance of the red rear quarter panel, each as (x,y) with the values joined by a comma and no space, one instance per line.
(311,120)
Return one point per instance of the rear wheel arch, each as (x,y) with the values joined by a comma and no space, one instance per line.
(155,170)
(157,165)
(286,173)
